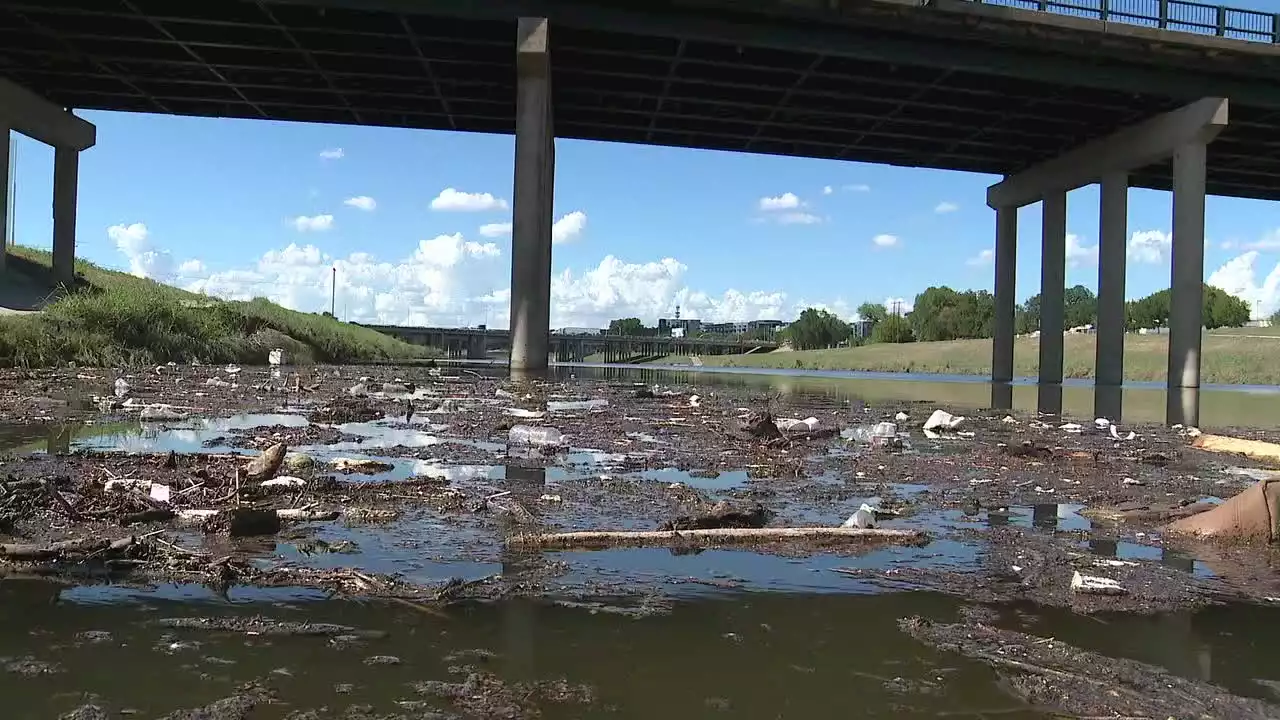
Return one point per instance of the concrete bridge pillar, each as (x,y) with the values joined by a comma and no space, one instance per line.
(533,195)
(5,170)
(66,181)
(476,347)
(1053,283)
(1182,134)
(1113,224)
(1003,326)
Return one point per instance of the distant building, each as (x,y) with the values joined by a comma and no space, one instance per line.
(862,328)
(579,331)
(690,326)
(742,328)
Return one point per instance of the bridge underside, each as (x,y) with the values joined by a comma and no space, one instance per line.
(858,92)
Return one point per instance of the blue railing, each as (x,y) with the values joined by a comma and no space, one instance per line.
(1179,15)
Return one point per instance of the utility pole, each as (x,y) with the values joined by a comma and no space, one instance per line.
(333,294)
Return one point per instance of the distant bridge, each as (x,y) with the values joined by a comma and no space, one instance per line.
(477,343)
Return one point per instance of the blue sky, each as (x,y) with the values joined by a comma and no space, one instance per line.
(245,208)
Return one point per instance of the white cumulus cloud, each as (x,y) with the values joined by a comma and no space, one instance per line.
(984,257)
(798,218)
(885,240)
(1239,276)
(827,189)
(331,154)
(1080,254)
(361,202)
(495,229)
(313,223)
(1150,246)
(147,261)
(946,207)
(785,201)
(569,227)
(858,187)
(454,200)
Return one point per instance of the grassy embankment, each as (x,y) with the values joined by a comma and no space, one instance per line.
(117,319)
(1237,356)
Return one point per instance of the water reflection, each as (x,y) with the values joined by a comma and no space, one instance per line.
(1220,405)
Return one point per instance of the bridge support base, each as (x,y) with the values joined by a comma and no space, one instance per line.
(1182,134)
(533,196)
(4,194)
(66,174)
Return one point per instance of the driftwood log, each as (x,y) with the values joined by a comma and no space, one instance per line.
(600,539)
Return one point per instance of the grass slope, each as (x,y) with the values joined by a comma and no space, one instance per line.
(1236,357)
(118,319)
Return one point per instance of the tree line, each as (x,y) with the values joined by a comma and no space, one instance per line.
(941,313)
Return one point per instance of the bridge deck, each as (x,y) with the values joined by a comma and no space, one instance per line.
(955,85)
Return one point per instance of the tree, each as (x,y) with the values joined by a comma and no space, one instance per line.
(941,313)
(816,329)
(872,312)
(1079,307)
(627,326)
(1222,309)
(893,329)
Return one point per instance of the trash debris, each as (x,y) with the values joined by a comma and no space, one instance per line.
(1115,433)
(943,420)
(361,466)
(789,424)
(603,539)
(535,436)
(694,401)
(1071,427)
(864,517)
(276,357)
(232,369)
(901,417)
(122,387)
(284,481)
(1253,449)
(761,425)
(267,464)
(1251,516)
(722,515)
(161,413)
(1091,585)
(159,492)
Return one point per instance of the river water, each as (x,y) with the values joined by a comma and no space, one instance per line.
(740,634)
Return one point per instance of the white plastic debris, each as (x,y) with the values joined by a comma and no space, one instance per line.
(1116,434)
(788,424)
(901,417)
(216,382)
(1009,419)
(1131,481)
(1101,423)
(522,413)
(504,394)
(161,413)
(550,498)
(540,436)
(1091,585)
(116,484)
(276,356)
(943,420)
(284,481)
(122,387)
(1071,427)
(159,492)
(864,517)
(694,401)
(231,369)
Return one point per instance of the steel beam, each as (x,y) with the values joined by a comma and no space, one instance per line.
(827,38)
(1134,147)
(39,119)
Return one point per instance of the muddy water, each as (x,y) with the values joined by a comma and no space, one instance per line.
(1221,405)
(653,632)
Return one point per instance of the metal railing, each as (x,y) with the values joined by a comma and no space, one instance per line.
(1180,15)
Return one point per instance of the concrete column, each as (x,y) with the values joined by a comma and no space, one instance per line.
(1053,281)
(1006,302)
(1113,227)
(4,194)
(532,200)
(1186,301)
(66,174)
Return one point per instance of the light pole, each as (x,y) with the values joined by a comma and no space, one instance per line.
(333,294)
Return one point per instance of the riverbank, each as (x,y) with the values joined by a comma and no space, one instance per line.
(1233,358)
(114,319)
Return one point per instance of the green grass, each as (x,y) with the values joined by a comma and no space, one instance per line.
(115,319)
(1232,358)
